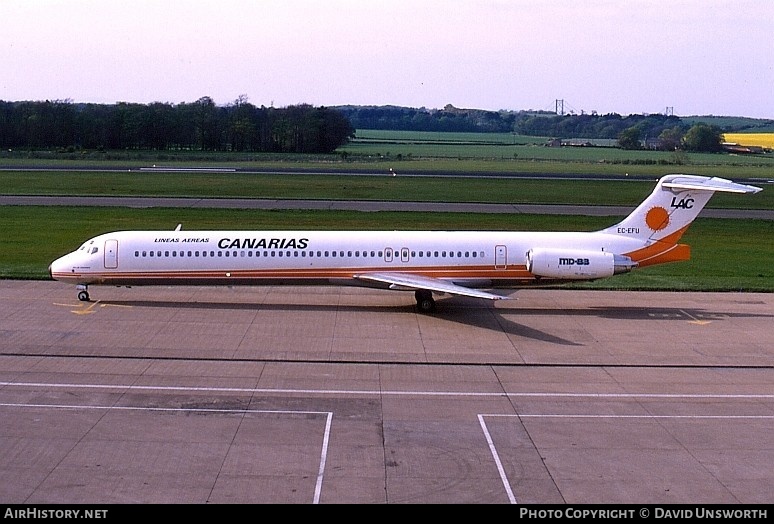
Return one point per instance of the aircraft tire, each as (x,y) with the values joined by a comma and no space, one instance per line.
(425,302)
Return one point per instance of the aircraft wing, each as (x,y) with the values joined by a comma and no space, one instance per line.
(410,281)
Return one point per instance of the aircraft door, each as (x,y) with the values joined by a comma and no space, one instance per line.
(404,254)
(388,254)
(111,254)
(501,257)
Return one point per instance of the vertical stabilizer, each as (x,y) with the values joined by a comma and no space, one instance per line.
(674,203)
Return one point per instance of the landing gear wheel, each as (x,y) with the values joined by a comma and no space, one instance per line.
(83,296)
(425,302)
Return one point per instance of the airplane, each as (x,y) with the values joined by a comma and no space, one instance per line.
(467,263)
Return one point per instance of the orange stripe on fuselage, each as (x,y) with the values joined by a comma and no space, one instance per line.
(512,272)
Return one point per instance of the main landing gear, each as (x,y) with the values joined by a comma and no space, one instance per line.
(425,301)
(83,293)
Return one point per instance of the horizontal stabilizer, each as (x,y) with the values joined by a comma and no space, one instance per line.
(408,281)
(710,184)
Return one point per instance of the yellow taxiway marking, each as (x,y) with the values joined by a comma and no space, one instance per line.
(86,311)
(682,313)
(82,309)
(695,320)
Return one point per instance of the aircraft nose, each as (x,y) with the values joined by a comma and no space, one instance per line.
(56,267)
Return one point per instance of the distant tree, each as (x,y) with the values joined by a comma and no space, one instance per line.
(629,138)
(206,124)
(671,138)
(703,138)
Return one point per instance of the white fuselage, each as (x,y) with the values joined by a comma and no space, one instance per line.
(480,259)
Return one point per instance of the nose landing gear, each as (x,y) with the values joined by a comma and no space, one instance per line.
(83,293)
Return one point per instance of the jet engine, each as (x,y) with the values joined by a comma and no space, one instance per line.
(573,264)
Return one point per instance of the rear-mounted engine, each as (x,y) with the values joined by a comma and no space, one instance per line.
(575,264)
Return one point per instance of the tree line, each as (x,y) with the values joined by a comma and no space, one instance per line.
(200,126)
(653,131)
(241,126)
(531,123)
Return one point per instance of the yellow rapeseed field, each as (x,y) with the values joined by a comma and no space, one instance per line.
(751,139)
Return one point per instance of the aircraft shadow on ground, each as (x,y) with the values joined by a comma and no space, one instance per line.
(475,313)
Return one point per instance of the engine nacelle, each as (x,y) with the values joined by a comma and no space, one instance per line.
(573,264)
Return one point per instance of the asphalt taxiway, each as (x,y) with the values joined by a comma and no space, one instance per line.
(353,205)
(348,395)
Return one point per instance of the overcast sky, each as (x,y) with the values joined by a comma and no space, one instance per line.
(697,57)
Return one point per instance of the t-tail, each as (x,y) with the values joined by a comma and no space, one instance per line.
(665,215)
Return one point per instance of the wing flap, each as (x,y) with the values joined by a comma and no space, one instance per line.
(410,281)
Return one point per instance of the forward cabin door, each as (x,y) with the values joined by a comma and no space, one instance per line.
(111,254)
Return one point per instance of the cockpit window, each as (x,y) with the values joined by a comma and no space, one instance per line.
(93,250)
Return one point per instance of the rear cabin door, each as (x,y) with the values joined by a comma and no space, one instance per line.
(501,256)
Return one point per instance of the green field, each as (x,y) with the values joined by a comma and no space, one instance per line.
(428,152)
(727,254)
(519,151)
